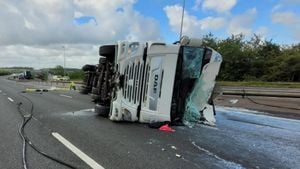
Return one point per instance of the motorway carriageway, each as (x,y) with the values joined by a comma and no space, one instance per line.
(65,126)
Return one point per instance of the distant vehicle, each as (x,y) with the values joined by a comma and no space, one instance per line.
(27,74)
(13,76)
(156,82)
(60,78)
(21,76)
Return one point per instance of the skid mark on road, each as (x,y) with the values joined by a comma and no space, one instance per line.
(228,163)
(88,160)
(62,95)
(84,112)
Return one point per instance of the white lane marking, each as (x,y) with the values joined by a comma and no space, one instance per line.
(10,99)
(89,161)
(66,96)
(0,91)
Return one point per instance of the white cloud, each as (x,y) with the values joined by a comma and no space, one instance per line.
(197,4)
(221,6)
(288,19)
(291,1)
(35,22)
(242,23)
(53,20)
(285,18)
(276,7)
(296,32)
(212,23)
(78,14)
(48,56)
(262,31)
(29,25)
(192,26)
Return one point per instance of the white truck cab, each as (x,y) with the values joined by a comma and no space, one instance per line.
(157,82)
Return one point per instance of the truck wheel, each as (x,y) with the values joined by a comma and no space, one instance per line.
(108,51)
(102,110)
(102,60)
(95,97)
(84,90)
(91,68)
(95,90)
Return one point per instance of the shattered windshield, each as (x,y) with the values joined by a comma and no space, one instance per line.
(192,61)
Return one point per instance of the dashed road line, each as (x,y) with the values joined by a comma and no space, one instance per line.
(66,96)
(10,99)
(88,160)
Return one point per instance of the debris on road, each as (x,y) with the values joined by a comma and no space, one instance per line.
(166,128)
(178,155)
(173,147)
(233,101)
(34,90)
(157,125)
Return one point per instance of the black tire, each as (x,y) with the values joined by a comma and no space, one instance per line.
(91,79)
(95,97)
(108,51)
(85,79)
(102,110)
(91,68)
(95,90)
(102,60)
(84,90)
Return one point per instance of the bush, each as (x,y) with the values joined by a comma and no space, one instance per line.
(76,75)
(4,73)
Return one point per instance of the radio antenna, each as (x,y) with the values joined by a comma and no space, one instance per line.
(182,16)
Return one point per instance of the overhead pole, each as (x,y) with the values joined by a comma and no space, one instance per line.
(182,16)
(64,61)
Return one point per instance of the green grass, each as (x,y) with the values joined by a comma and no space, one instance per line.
(4,72)
(261,84)
(8,71)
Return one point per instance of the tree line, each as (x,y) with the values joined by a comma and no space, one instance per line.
(71,72)
(255,59)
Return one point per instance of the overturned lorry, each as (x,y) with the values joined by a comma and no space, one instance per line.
(155,82)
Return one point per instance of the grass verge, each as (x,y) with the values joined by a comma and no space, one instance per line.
(260,84)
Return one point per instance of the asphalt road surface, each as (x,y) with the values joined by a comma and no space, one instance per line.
(64,126)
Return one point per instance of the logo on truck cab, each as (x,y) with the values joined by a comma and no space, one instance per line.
(155,84)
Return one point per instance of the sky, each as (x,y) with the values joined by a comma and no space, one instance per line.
(39,33)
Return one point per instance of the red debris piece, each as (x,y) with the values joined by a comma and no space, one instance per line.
(166,128)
